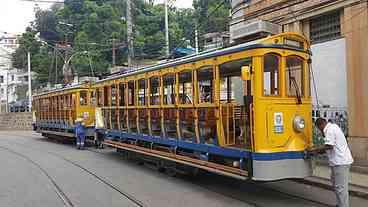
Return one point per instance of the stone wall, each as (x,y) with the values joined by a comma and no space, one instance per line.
(16,121)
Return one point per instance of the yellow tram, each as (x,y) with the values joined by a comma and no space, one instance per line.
(242,111)
(56,111)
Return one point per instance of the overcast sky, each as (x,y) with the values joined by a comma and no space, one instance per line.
(15,15)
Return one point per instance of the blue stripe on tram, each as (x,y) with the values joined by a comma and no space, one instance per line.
(205,148)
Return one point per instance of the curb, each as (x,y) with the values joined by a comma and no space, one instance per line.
(355,167)
(354,190)
(359,169)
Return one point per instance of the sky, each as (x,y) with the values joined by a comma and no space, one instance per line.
(16,15)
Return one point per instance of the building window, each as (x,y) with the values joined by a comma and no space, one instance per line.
(1,79)
(325,27)
(12,77)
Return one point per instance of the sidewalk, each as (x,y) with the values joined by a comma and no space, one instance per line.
(358,179)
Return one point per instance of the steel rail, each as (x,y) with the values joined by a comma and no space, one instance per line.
(102,180)
(211,189)
(63,197)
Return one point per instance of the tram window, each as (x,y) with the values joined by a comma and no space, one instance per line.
(122,94)
(93,98)
(232,92)
(294,76)
(231,84)
(155,90)
(271,75)
(83,98)
(73,101)
(186,87)
(142,91)
(113,95)
(99,97)
(169,89)
(205,84)
(106,96)
(131,93)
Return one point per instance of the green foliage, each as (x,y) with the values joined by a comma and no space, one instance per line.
(96,25)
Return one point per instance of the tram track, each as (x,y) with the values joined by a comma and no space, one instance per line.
(198,184)
(60,193)
(261,188)
(58,189)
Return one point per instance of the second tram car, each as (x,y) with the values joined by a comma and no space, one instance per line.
(57,110)
(242,111)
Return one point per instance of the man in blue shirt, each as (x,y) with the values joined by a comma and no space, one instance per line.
(80,133)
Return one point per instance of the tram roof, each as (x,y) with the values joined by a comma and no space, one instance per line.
(66,88)
(259,43)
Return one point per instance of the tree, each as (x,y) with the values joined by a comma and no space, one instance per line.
(95,26)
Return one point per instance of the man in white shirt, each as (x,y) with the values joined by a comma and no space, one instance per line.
(339,158)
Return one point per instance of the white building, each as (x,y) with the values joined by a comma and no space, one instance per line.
(10,78)
(9,41)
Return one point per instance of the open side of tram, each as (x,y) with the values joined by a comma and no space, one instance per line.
(243,111)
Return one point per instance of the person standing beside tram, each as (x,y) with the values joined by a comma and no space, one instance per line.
(80,133)
(339,158)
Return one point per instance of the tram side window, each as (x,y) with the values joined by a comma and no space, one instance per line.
(142,91)
(122,94)
(294,76)
(271,71)
(131,93)
(205,84)
(169,89)
(106,96)
(99,97)
(186,87)
(83,98)
(232,87)
(93,98)
(155,90)
(113,95)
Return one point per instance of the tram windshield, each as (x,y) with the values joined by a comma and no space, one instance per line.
(294,73)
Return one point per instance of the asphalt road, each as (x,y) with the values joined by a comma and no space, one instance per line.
(36,171)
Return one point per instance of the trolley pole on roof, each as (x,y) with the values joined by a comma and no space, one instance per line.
(130,33)
(167,29)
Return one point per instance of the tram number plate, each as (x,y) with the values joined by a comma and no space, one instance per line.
(278,123)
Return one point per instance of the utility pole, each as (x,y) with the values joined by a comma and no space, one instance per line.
(130,33)
(29,83)
(113,53)
(167,29)
(56,67)
(196,41)
(7,91)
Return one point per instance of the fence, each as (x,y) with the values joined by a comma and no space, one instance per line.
(337,115)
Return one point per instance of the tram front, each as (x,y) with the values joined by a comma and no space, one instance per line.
(282,124)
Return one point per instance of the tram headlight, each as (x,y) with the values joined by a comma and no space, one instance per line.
(299,123)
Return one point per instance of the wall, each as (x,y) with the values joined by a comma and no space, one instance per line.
(329,69)
(16,121)
(355,29)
